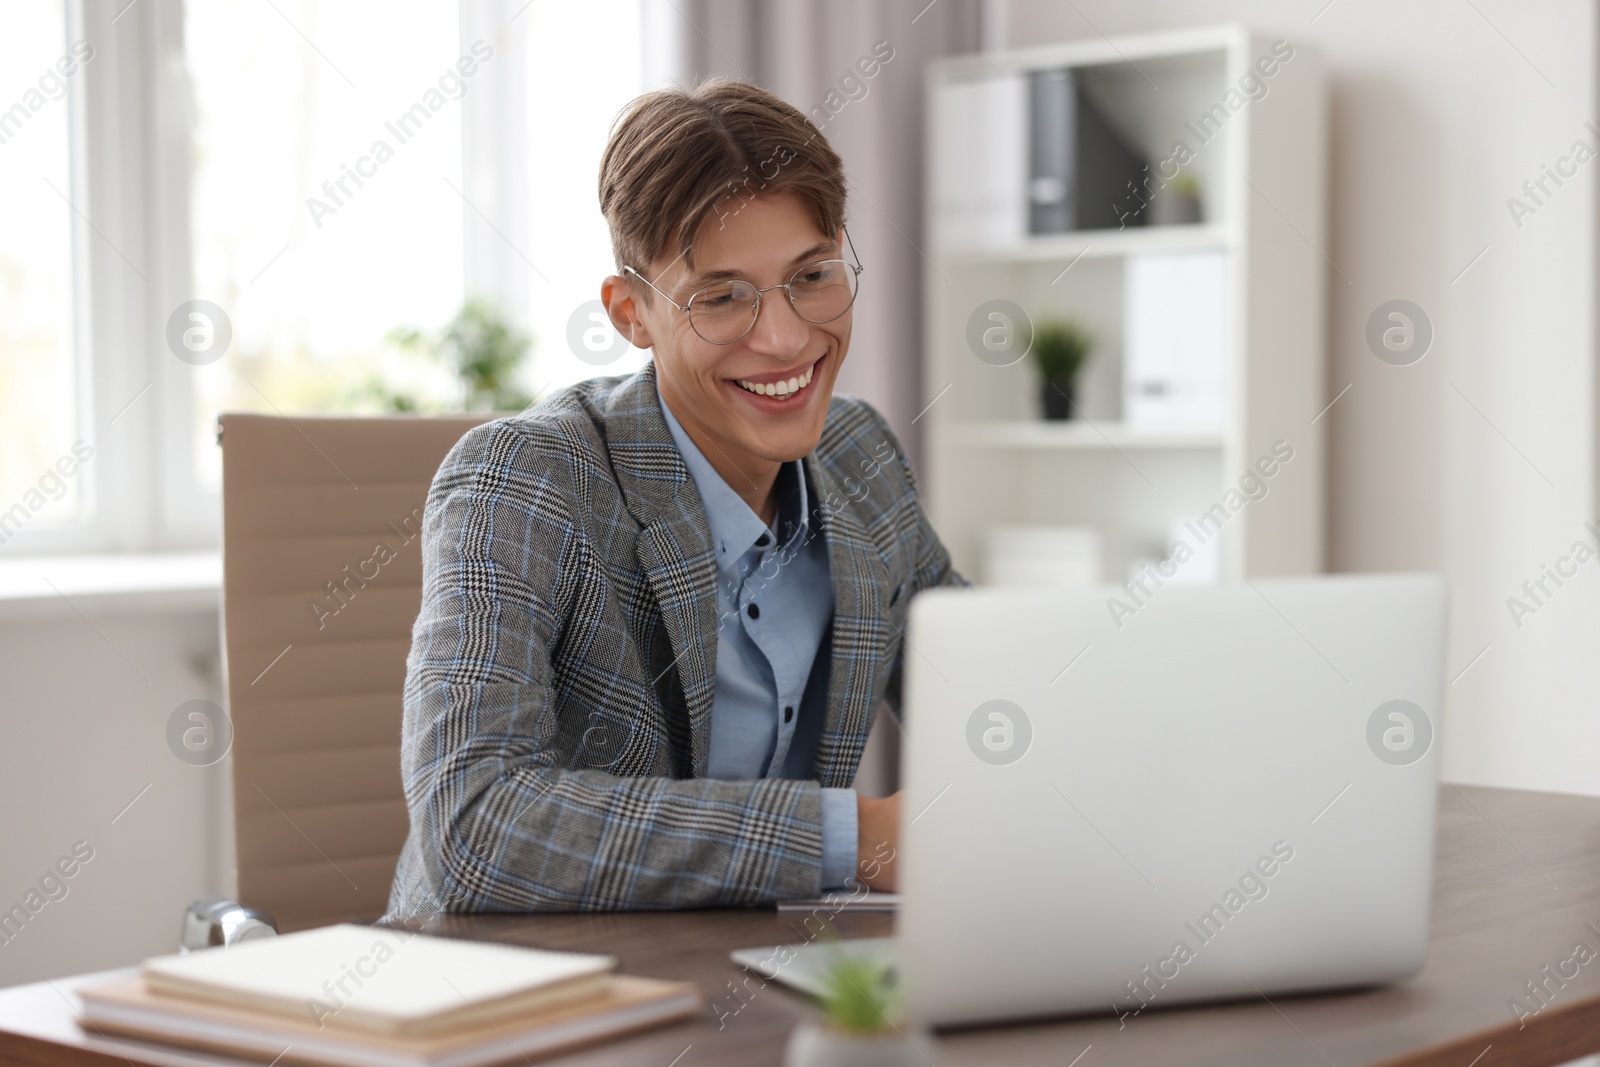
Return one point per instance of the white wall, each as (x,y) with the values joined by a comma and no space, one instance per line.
(85,733)
(1477,461)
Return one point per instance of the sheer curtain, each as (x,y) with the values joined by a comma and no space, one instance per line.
(815,55)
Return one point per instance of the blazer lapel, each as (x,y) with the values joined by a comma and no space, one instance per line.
(860,632)
(675,555)
(674,545)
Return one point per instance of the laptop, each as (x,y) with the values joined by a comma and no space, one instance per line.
(1117,803)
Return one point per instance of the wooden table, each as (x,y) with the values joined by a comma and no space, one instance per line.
(1517,883)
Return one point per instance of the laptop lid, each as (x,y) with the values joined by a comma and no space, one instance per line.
(1114,803)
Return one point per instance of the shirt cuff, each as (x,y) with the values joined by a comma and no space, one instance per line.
(838,837)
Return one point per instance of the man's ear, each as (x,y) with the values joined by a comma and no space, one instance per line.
(623,308)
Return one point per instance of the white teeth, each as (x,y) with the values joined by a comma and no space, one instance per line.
(784,388)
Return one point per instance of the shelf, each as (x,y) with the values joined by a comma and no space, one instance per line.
(1079,434)
(1092,244)
(992,460)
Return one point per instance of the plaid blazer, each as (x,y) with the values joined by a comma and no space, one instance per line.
(558,688)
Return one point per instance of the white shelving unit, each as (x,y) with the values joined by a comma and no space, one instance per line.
(991,458)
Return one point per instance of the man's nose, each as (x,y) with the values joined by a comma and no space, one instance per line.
(779,330)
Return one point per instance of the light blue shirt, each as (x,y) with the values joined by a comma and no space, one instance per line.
(774,610)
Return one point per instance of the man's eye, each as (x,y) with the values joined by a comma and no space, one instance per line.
(721,298)
(816,276)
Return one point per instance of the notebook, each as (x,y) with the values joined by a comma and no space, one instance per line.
(380,981)
(625,1005)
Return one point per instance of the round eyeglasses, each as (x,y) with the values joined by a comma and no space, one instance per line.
(725,311)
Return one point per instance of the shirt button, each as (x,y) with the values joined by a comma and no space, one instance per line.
(754,611)
(761,542)
(788,713)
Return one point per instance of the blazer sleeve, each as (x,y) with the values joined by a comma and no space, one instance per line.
(931,566)
(496,823)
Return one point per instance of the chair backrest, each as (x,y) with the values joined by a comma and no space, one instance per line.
(322,576)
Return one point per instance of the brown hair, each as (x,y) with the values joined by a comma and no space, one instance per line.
(677,156)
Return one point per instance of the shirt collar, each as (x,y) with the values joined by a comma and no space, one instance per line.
(735,528)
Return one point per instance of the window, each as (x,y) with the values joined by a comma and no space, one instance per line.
(346,201)
(42,481)
(565,143)
(263,193)
(324,210)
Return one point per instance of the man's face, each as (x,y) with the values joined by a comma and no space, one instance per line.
(762,241)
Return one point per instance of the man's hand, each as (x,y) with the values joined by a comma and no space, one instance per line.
(877,841)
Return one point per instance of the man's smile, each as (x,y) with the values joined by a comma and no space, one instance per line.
(774,390)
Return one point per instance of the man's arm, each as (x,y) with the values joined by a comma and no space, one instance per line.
(932,559)
(931,566)
(878,819)
(497,826)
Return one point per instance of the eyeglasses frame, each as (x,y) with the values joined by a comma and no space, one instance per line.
(756,314)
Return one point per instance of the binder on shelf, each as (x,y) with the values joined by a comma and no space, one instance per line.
(1079,169)
(1175,340)
(979,158)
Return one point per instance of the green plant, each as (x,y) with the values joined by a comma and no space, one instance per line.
(1060,349)
(1184,184)
(481,350)
(860,995)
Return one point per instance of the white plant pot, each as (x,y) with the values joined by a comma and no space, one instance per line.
(815,1045)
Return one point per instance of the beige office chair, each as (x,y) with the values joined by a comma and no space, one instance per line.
(322,577)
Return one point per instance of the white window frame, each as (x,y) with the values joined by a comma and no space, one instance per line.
(43,534)
(131,120)
(129,178)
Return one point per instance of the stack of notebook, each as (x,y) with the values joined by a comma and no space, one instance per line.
(356,995)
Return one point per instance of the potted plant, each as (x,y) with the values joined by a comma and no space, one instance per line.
(861,1024)
(478,354)
(1176,202)
(1060,349)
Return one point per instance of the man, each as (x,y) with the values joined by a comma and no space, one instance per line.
(660,611)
